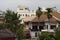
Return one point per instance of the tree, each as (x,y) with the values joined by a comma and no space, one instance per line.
(49,16)
(48,13)
(57,33)
(1,26)
(46,36)
(49,35)
(11,19)
(38,12)
(12,23)
(20,33)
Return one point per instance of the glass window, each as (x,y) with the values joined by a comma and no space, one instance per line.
(34,28)
(23,14)
(46,27)
(20,14)
(59,25)
(32,15)
(53,26)
(26,15)
(21,9)
(41,27)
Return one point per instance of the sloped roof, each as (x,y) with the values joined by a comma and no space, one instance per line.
(43,17)
(40,19)
(27,19)
(56,15)
(6,33)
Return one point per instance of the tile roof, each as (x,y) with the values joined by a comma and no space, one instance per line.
(56,15)
(43,17)
(27,19)
(6,33)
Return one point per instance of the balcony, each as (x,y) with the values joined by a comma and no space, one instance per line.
(47,30)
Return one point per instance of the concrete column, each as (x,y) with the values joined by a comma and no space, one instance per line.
(57,25)
(31,26)
(45,27)
(38,27)
(48,27)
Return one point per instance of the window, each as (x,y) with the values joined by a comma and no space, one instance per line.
(41,27)
(34,28)
(26,8)
(26,15)
(21,9)
(53,26)
(20,14)
(59,25)
(46,27)
(23,14)
(32,15)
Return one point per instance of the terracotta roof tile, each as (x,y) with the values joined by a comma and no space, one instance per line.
(27,19)
(44,18)
(6,33)
(56,14)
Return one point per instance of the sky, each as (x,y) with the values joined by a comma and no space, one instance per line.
(32,4)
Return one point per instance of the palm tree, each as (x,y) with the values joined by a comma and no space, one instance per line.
(38,12)
(48,14)
(11,19)
(49,10)
(12,23)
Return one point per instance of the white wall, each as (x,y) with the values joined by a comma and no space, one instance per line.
(24,12)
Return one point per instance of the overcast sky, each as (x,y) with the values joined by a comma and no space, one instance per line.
(32,4)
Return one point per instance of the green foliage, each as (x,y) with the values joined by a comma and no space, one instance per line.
(20,32)
(58,21)
(38,12)
(46,36)
(11,17)
(48,13)
(50,36)
(1,26)
(57,33)
(49,10)
(12,22)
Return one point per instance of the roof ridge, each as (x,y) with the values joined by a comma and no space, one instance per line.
(56,18)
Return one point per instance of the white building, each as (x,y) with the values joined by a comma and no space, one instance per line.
(24,12)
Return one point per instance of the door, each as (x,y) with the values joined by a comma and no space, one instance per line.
(41,27)
(34,28)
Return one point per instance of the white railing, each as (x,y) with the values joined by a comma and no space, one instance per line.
(47,30)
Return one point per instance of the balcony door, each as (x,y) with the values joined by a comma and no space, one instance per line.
(34,28)
(41,27)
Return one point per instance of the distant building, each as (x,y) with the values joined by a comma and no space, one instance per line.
(24,12)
